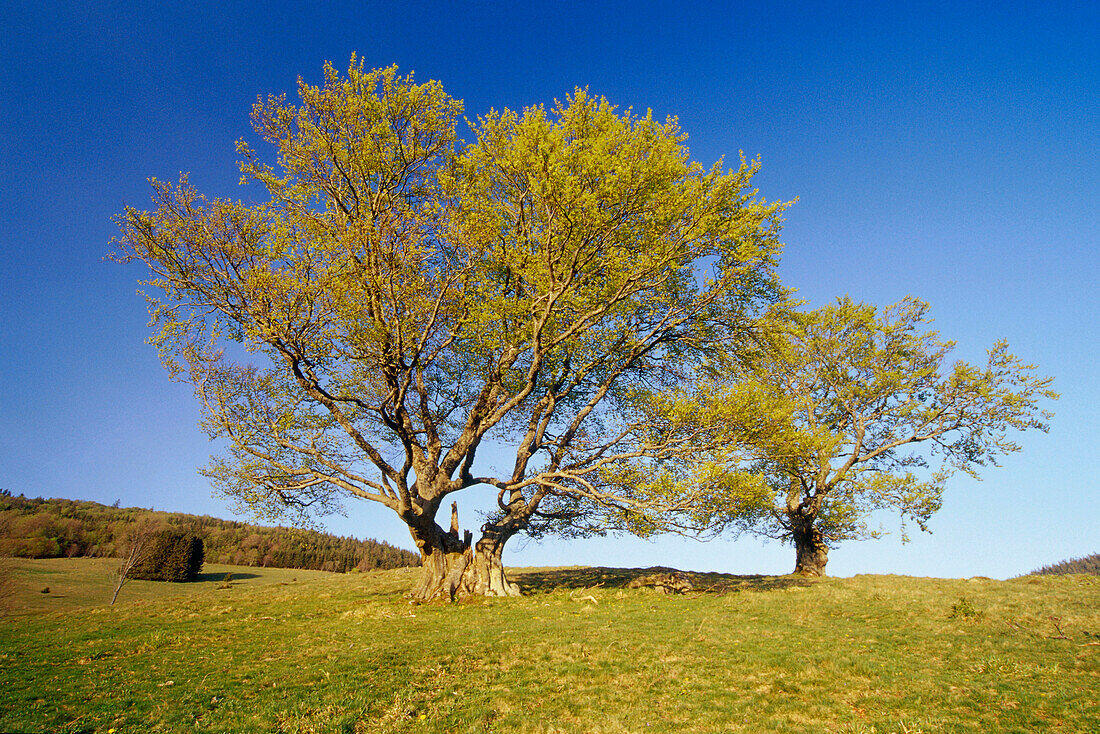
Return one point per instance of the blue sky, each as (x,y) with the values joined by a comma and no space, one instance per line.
(948,151)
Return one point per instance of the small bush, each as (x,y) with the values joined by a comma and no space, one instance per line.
(172,555)
(963,609)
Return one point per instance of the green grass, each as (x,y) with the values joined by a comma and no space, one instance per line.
(77,583)
(286,651)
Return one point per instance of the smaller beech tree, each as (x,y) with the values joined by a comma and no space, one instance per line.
(852,410)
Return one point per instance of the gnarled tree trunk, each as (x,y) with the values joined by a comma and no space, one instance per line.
(452,567)
(486,576)
(811,552)
(444,558)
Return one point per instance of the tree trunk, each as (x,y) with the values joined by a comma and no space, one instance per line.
(811,553)
(444,558)
(453,568)
(486,573)
(486,576)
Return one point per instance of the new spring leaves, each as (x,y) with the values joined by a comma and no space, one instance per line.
(850,409)
(560,284)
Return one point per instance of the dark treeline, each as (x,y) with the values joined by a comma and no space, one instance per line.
(1088,564)
(54,528)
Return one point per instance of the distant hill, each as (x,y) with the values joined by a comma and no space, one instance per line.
(1088,564)
(53,528)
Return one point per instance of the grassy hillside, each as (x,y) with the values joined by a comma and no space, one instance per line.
(77,584)
(295,652)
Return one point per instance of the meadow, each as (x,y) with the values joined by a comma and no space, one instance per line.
(279,650)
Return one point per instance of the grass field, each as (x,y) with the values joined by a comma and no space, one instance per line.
(293,651)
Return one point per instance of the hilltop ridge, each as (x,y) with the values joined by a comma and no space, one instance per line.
(54,528)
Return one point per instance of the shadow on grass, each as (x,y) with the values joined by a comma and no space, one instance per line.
(219,576)
(546,580)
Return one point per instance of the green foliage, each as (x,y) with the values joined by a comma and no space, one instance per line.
(405,298)
(963,609)
(171,555)
(1085,564)
(849,409)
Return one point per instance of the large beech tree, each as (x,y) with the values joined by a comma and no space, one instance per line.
(399,299)
(853,409)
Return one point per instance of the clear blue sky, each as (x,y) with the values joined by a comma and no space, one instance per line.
(949,151)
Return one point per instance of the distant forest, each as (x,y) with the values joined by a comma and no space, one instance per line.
(1088,564)
(54,528)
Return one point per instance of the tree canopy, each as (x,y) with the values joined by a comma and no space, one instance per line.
(401,298)
(852,409)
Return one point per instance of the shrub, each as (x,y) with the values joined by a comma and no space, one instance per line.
(172,555)
(963,609)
